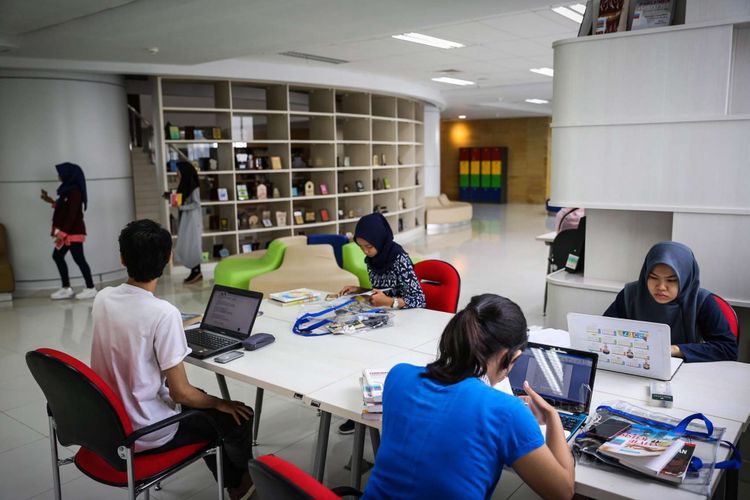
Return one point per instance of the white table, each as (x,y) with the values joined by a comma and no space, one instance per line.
(323,372)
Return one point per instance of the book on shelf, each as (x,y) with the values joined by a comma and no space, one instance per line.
(639,441)
(651,13)
(242,192)
(612,16)
(276,163)
(294,297)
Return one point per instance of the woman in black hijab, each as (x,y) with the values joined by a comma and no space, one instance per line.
(668,291)
(68,228)
(388,266)
(189,248)
(390,270)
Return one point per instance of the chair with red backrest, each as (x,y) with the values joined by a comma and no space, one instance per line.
(441,284)
(83,410)
(730,315)
(277,479)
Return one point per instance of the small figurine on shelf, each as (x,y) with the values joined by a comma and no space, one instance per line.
(224,224)
(360,186)
(386,183)
(382,159)
(253,221)
(262,193)
(276,193)
(281,219)
(298,162)
(401,204)
(309,188)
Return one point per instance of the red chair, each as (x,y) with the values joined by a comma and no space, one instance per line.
(280,480)
(730,314)
(83,410)
(441,284)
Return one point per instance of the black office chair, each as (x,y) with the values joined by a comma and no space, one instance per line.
(570,241)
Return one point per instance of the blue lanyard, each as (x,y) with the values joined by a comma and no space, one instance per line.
(307,330)
(735,459)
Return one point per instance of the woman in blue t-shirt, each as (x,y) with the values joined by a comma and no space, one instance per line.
(447,433)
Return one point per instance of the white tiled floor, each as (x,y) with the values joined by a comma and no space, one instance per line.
(497,254)
(501,239)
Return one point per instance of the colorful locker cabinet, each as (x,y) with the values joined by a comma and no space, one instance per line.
(483,174)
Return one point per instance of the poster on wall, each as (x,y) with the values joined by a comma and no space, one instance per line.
(483,174)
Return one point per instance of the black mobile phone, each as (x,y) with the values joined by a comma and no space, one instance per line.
(609,428)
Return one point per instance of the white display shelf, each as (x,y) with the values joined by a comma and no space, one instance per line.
(345,123)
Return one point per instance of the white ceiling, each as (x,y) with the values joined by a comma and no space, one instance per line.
(503,38)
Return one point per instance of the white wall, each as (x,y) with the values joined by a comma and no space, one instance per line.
(48,118)
(431,150)
(703,11)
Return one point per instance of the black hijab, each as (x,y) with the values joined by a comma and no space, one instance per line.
(189,180)
(376,231)
(681,313)
(72,177)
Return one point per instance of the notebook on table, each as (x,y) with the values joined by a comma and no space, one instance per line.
(228,320)
(564,377)
(625,345)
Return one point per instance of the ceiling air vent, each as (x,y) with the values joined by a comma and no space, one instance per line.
(313,57)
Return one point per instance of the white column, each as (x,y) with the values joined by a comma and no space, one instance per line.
(431,150)
(48,118)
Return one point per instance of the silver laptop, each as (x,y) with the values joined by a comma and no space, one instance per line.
(624,345)
(229,318)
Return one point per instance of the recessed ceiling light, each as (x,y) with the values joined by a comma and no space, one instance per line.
(153,50)
(578,7)
(428,40)
(543,71)
(569,13)
(452,81)
(537,101)
(461,117)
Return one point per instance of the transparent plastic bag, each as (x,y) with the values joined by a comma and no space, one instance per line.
(343,315)
(699,431)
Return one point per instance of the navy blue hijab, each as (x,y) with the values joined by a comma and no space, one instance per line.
(376,231)
(72,177)
(681,313)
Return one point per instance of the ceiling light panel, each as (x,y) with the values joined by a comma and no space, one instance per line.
(537,101)
(578,7)
(452,81)
(428,40)
(543,71)
(569,13)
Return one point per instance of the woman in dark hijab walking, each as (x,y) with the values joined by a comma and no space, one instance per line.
(69,230)
(668,291)
(189,248)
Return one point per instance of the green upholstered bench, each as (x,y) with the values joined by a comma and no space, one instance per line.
(354,262)
(238,270)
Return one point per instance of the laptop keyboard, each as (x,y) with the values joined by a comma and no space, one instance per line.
(208,339)
(569,422)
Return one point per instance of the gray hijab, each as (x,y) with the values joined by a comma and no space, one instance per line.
(681,313)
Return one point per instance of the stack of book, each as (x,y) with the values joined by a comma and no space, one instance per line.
(294,297)
(371,383)
(655,452)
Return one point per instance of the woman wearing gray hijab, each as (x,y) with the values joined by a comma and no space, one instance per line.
(668,291)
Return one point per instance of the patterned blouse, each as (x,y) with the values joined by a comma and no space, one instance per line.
(402,281)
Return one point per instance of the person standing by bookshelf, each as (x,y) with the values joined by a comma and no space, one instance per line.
(390,271)
(69,230)
(188,248)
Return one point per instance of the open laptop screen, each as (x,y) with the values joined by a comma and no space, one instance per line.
(564,377)
(232,311)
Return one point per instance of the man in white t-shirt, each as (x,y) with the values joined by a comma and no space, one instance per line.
(138,349)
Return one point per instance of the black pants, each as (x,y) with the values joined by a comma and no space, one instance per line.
(237,449)
(76,249)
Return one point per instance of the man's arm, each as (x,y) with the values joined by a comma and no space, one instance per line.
(182,392)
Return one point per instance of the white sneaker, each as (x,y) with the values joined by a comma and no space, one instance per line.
(86,293)
(63,293)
